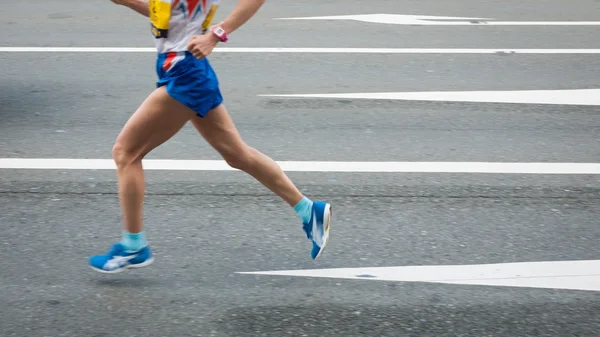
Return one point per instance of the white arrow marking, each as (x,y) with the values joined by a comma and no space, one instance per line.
(399,19)
(573,97)
(574,275)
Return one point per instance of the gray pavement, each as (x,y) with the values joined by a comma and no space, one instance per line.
(88,105)
(205,227)
(75,23)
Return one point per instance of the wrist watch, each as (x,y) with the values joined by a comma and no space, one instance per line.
(220,33)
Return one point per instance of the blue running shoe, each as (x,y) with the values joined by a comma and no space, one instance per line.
(118,259)
(317,229)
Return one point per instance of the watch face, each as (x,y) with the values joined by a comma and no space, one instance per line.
(220,33)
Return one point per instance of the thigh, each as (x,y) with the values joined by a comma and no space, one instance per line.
(157,119)
(219,131)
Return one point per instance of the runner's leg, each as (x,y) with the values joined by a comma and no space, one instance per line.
(220,132)
(157,119)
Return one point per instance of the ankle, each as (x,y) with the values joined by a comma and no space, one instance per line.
(134,241)
(304,209)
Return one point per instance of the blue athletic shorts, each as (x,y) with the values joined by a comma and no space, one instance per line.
(190,81)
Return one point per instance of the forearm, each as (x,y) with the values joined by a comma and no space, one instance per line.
(140,6)
(242,12)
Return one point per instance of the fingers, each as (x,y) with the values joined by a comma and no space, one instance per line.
(200,46)
(199,51)
(196,51)
(194,46)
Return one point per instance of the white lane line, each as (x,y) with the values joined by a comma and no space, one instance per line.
(312,166)
(573,275)
(307,50)
(567,97)
(427,20)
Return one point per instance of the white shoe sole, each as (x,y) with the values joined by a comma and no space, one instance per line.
(130,266)
(326,224)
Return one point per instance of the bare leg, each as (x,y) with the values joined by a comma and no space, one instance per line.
(220,132)
(156,120)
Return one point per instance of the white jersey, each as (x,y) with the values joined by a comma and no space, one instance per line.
(174,22)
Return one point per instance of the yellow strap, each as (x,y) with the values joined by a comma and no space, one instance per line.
(160,15)
(210,16)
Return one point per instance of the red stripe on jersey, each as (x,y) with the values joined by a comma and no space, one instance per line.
(192,5)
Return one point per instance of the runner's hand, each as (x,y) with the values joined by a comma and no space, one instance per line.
(202,45)
(119,2)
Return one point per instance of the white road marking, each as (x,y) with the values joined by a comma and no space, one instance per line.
(574,275)
(574,97)
(307,50)
(312,166)
(427,20)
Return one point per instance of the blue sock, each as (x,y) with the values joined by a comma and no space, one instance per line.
(134,242)
(304,209)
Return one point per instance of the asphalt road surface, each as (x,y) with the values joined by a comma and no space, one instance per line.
(208,226)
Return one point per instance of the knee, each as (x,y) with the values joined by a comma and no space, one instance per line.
(240,159)
(122,156)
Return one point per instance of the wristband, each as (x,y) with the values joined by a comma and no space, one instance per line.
(220,33)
